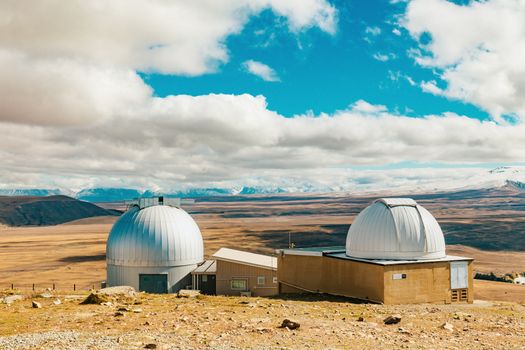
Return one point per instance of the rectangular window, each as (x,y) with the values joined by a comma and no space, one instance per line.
(204,278)
(261,280)
(238,284)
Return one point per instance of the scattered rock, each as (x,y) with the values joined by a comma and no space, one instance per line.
(95,298)
(188,293)
(123,309)
(118,291)
(137,311)
(395,319)
(447,326)
(403,331)
(119,314)
(360,319)
(57,302)
(150,346)
(11,299)
(45,295)
(36,305)
(290,324)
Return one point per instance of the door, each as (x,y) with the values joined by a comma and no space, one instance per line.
(207,284)
(153,283)
(459,275)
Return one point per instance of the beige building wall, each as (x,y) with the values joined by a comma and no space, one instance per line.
(228,271)
(424,282)
(300,274)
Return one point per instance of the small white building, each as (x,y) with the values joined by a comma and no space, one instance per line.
(154,247)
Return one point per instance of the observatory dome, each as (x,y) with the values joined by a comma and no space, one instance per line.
(156,236)
(395,229)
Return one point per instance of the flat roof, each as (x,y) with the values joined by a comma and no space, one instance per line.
(447,258)
(209,267)
(339,252)
(246,258)
(313,251)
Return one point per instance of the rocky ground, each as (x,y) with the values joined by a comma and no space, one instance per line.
(59,321)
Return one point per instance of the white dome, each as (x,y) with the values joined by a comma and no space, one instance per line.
(159,235)
(396,229)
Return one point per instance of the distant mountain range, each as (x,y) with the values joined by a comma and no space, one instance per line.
(120,194)
(508,177)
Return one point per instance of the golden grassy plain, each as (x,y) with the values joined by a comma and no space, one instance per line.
(74,253)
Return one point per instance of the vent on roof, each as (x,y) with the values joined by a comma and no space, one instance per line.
(149,202)
(395,202)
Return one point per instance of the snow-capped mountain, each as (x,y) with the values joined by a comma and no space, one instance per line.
(399,180)
(107,194)
(34,192)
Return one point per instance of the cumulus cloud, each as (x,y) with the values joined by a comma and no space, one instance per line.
(74,111)
(261,70)
(383,57)
(61,91)
(76,62)
(235,139)
(478,49)
(175,37)
(431,87)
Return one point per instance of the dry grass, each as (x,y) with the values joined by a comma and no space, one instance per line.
(230,322)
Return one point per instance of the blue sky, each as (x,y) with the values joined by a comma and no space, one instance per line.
(302,95)
(320,72)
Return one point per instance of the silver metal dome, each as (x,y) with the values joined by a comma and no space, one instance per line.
(158,235)
(395,229)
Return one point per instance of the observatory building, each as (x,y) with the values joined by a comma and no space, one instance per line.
(394,254)
(154,247)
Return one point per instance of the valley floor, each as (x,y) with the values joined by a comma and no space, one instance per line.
(211,322)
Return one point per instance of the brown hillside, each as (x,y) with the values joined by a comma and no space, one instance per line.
(43,211)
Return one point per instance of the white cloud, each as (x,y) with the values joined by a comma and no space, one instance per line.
(375,31)
(362,106)
(478,49)
(76,62)
(74,112)
(383,57)
(175,37)
(396,31)
(51,92)
(431,87)
(234,139)
(261,70)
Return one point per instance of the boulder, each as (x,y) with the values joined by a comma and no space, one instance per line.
(290,324)
(392,319)
(122,294)
(57,302)
(188,293)
(95,298)
(118,291)
(11,299)
(36,305)
(447,326)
